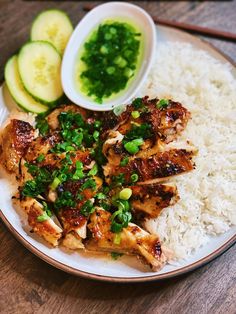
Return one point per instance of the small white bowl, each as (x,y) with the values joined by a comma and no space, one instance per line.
(113,11)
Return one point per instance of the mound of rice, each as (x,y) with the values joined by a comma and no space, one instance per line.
(208,194)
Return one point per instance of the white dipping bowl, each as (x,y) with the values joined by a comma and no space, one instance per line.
(112,11)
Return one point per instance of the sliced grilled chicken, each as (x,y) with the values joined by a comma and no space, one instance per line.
(52,118)
(15,139)
(167,122)
(41,146)
(61,181)
(114,150)
(71,218)
(150,199)
(154,125)
(156,168)
(73,241)
(133,240)
(48,229)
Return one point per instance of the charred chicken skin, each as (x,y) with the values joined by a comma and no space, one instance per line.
(156,168)
(133,240)
(84,178)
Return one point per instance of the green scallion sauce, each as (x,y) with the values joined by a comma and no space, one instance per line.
(109,60)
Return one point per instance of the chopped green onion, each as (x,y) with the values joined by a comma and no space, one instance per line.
(117,239)
(93,171)
(125,205)
(104,50)
(79,165)
(46,208)
(116,227)
(115,255)
(163,103)
(121,62)
(55,183)
(43,217)
(89,184)
(135,114)
(128,72)
(96,135)
(124,161)
(62,177)
(132,147)
(125,194)
(40,158)
(87,208)
(138,141)
(97,124)
(110,70)
(79,197)
(118,179)
(100,196)
(119,110)
(134,177)
(137,103)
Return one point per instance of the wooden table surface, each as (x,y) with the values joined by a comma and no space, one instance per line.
(29,285)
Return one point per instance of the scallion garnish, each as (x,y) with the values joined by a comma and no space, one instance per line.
(162,103)
(87,208)
(40,158)
(93,171)
(134,177)
(124,161)
(55,183)
(135,114)
(43,217)
(132,147)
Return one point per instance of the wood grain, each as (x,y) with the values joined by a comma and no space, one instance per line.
(29,285)
(191,28)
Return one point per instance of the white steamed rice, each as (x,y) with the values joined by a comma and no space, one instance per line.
(208,194)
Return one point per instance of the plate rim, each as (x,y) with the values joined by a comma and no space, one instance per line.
(156,277)
(140,279)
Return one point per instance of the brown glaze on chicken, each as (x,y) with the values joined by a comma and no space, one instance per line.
(41,145)
(150,199)
(52,118)
(14,142)
(155,168)
(71,217)
(48,229)
(166,123)
(133,240)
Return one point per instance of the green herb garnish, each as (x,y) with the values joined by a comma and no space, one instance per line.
(134,177)
(115,255)
(110,57)
(132,147)
(118,179)
(124,161)
(87,208)
(79,171)
(93,171)
(138,103)
(43,217)
(162,103)
(89,184)
(139,131)
(135,114)
(40,158)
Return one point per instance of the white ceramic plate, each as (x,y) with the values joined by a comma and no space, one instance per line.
(126,269)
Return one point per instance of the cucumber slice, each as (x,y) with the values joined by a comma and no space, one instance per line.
(53,26)
(39,66)
(16,88)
